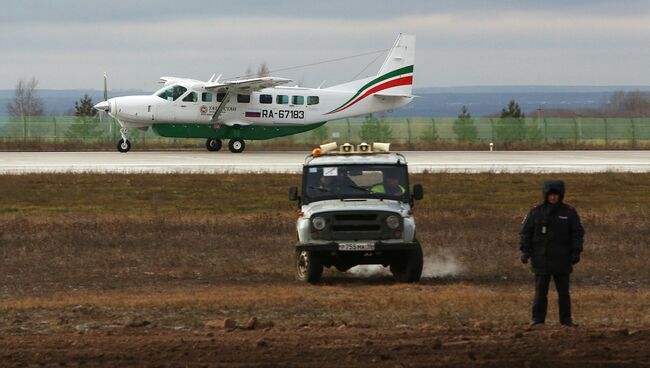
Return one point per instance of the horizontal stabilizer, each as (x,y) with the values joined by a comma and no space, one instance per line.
(394,95)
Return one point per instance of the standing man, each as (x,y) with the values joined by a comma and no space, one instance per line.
(551,236)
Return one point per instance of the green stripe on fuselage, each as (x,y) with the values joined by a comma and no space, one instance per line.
(394,73)
(249,132)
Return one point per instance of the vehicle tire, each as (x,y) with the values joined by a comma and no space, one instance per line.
(236,145)
(213,144)
(123,146)
(408,268)
(309,267)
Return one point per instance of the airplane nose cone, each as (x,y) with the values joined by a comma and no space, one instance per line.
(103,106)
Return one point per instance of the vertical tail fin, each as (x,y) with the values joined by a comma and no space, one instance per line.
(395,76)
(399,65)
(402,54)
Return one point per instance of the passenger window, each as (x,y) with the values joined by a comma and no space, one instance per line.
(206,97)
(192,97)
(220,96)
(312,100)
(298,100)
(266,99)
(282,99)
(243,98)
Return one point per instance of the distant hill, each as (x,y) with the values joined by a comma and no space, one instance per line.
(432,101)
(61,102)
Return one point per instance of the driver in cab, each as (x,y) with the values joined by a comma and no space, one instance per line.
(390,185)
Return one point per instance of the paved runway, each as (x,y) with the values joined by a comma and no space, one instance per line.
(247,162)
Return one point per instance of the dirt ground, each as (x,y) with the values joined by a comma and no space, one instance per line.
(196,270)
(325,346)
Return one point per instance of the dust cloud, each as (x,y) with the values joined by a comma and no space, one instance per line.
(439,265)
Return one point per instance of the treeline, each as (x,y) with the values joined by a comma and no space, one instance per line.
(633,104)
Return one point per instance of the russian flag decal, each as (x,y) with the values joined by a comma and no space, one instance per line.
(253,114)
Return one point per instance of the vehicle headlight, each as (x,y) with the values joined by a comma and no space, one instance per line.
(318,223)
(392,221)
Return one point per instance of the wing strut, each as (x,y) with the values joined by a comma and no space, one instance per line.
(222,105)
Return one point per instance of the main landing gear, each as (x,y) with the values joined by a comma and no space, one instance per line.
(235,145)
(213,144)
(124,145)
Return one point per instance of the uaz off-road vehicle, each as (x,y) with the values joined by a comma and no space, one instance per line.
(356,208)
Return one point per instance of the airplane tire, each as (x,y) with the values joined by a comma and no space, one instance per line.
(213,144)
(236,145)
(123,146)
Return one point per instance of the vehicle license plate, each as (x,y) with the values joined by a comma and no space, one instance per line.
(352,246)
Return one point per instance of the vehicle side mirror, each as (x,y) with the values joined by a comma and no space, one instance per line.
(418,192)
(293,194)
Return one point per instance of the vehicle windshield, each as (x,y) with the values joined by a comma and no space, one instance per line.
(171,93)
(355,181)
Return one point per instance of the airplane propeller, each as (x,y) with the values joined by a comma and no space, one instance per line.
(104,105)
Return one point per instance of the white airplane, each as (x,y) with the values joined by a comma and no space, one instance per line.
(260,108)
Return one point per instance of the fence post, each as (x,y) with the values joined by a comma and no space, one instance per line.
(54,120)
(575,131)
(408,124)
(491,130)
(606,132)
(24,128)
(545,130)
(434,131)
(633,133)
(349,130)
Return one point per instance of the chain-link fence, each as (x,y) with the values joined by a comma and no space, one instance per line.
(412,131)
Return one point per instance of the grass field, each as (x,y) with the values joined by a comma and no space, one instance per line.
(94,254)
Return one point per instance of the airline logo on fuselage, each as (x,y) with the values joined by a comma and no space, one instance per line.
(210,110)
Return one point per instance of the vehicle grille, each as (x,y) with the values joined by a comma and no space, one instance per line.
(356,226)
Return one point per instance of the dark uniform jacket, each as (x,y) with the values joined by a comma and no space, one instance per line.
(552,234)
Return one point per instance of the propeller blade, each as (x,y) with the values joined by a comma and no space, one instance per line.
(105,87)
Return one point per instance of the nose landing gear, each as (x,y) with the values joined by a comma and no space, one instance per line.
(124,145)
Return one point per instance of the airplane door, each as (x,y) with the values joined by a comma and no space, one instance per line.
(188,109)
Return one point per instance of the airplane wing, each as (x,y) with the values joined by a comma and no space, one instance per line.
(241,86)
(247,85)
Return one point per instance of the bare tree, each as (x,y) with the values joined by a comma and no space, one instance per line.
(25,101)
(263,70)
(249,72)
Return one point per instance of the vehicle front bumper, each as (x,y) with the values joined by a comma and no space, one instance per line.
(334,247)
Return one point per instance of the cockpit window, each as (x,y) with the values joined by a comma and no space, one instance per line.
(171,93)
(192,97)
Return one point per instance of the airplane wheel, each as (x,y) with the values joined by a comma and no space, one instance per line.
(213,144)
(236,145)
(123,146)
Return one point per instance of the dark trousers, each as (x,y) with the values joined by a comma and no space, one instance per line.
(541,297)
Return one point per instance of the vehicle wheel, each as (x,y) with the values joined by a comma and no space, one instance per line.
(213,144)
(308,267)
(408,268)
(236,145)
(123,145)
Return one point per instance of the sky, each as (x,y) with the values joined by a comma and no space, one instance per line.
(69,44)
